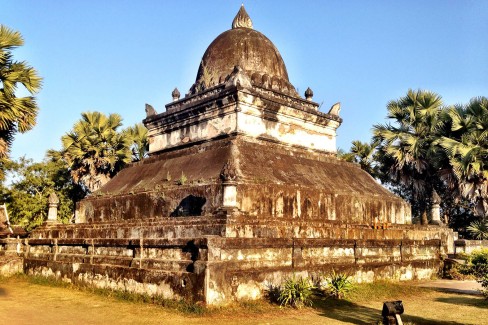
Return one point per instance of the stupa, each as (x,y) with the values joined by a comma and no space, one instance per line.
(242,189)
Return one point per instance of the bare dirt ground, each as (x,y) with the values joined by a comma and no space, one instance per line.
(24,302)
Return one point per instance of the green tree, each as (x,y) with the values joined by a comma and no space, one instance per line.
(467,148)
(32,183)
(363,154)
(94,150)
(407,149)
(17,114)
(428,146)
(137,135)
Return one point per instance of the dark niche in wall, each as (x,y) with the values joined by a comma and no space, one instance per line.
(190,206)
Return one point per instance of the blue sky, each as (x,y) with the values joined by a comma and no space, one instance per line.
(116,55)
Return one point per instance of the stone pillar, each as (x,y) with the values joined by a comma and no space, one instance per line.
(230,194)
(52,215)
(436,209)
(229,185)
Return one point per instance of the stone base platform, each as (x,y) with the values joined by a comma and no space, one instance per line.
(142,258)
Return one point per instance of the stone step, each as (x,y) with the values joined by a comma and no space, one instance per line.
(154,264)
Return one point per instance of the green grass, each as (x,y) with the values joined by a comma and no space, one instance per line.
(383,290)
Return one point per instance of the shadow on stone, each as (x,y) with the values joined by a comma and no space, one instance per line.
(193,250)
(189,206)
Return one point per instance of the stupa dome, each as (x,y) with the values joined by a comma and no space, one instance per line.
(245,47)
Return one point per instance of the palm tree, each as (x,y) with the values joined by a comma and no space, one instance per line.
(17,114)
(362,153)
(478,229)
(407,148)
(140,143)
(467,149)
(94,150)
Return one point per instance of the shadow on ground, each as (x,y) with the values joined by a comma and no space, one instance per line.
(466,301)
(3,292)
(353,313)
(458,291)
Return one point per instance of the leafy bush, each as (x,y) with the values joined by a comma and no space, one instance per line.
(484,284)
(458,272)
(479,265)
(338,285)
(296,292)
(454,270)
(478,261)
(476,266)
(479,256)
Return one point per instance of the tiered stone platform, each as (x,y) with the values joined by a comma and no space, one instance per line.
(143,257)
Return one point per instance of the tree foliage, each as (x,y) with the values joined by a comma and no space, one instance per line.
(17,114)
(362,153)
(479,230)
(95,150)
(406,146)
(426,146)
(137,136)
(32,183)
(467,150)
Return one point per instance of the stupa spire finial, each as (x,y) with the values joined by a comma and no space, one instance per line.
(242,19)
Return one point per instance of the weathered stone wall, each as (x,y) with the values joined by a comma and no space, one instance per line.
(464,246)
(166,201)
(156,228)
(218,269)
(245,268)
(268,117)
(139,258)
(254,112)
(155,267)
(290,211)
(11,261)
(199,118)
(247,227)
(311,204)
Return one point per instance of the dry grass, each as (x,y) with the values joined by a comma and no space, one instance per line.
(25,300)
